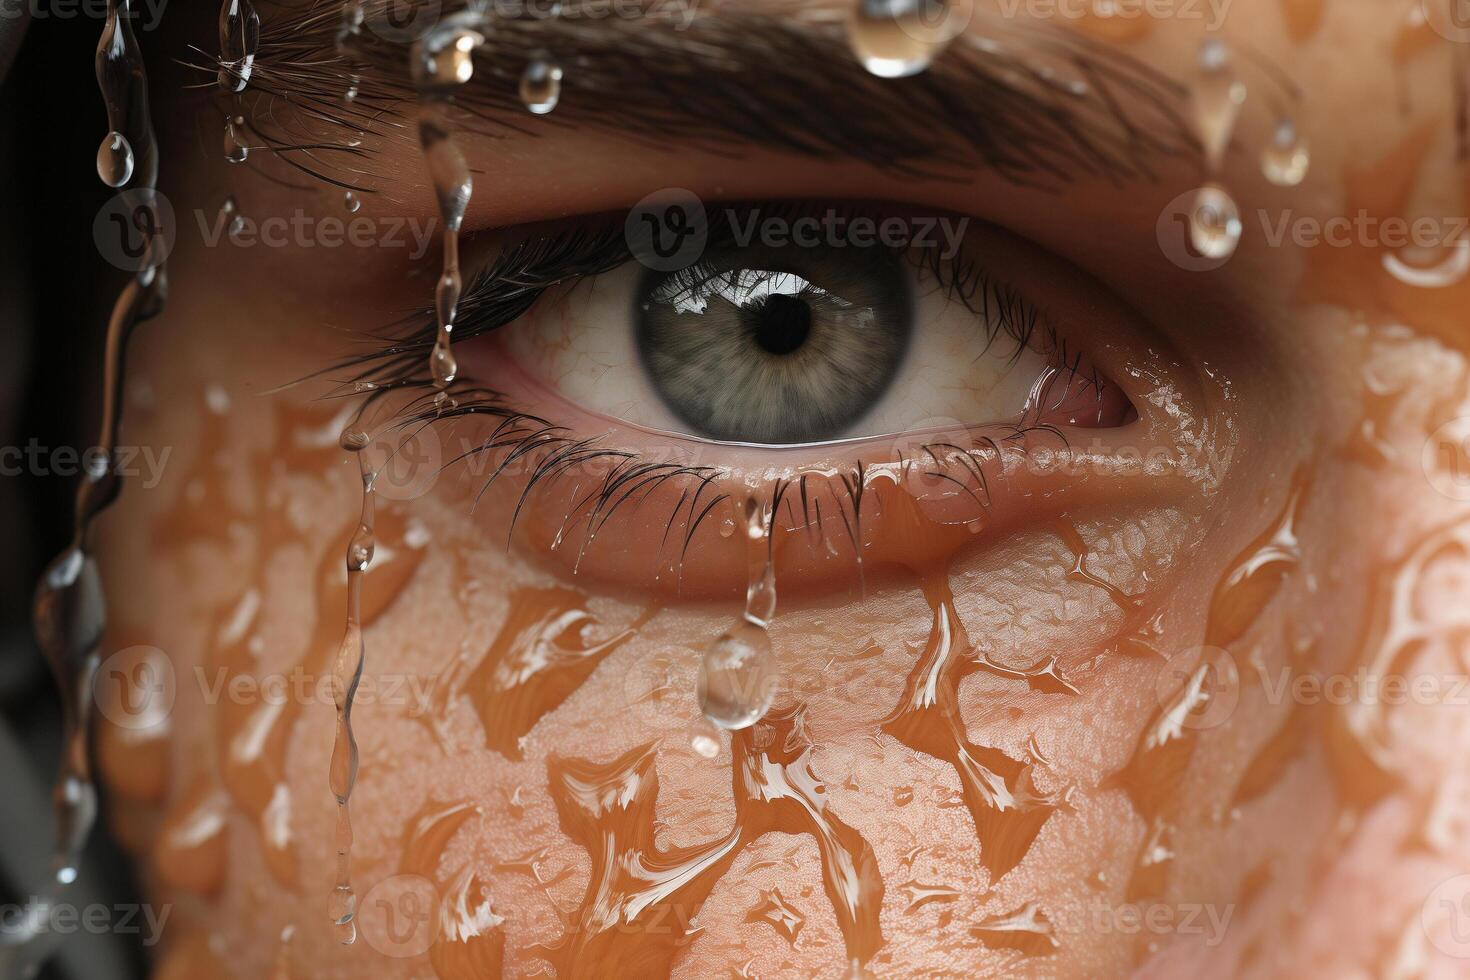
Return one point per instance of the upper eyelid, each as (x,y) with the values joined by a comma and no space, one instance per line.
(511,282)
(730,79)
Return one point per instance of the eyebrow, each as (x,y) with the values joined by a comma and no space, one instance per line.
(1034,103)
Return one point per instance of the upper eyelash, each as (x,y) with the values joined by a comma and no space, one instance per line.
(510,285)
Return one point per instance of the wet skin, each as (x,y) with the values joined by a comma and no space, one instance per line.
(1264,834)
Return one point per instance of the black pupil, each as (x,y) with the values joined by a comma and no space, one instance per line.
(781,323)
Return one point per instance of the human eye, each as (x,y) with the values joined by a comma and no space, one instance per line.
(785,344)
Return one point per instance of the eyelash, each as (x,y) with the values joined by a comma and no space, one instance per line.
(509,286)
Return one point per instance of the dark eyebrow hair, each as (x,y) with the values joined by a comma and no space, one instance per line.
(786,79)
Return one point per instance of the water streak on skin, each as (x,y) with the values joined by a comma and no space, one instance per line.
(1067,531)
(635,917)
(1396,634)
(920,895)
(469,943)
(1155,771)
(253,734)
(190,850)
(1005,805)
(1026,929)
(539,657)
(1354,276)
(774,910)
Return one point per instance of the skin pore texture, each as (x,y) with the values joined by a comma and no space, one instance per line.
(1049,742)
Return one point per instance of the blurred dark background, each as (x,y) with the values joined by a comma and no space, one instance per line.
(55,293)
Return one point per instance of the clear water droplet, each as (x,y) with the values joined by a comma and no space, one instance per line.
(442,365)
(1216,100)
(115,160)
(444,58)
(1285,158)
(897,38)
(738,677)
(351,203)
(239,37)
(541,85)
(353,440)
(1214,223)
(235,149)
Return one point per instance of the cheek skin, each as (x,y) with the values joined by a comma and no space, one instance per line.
(452,780)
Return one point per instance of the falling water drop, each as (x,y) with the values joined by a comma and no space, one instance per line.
(541,85)
(448,172)
(738,676)
(346,673)
(235,150)
(69,610)
(1285,159)
(1214,222)
(115,160)
(896,38)
(239,36)
(351,203)
(1216,99)
(737,680)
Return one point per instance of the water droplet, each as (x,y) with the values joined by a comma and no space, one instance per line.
(1216,100)
(896,38)
(353,440)
(444,58)
(705,745)
(235,149)
(1285,159)
(351,203)
(442,365)
(1214,223)
(738,678)
(239,36)
(727,526)
(115,160)
(1427,268)
(541,85)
